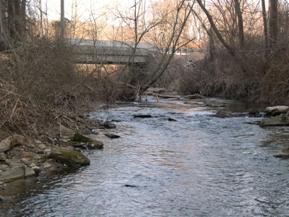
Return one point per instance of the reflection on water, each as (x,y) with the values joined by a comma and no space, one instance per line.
(199,165)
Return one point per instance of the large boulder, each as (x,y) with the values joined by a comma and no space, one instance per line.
(16,172)
(276,110)
(280,120)
(12,141)
(73,159)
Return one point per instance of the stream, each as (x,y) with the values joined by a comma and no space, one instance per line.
(182,161)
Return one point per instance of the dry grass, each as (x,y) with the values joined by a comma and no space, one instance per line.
(40,88)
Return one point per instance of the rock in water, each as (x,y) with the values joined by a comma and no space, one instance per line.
(171,119)
(276,110)
(95,144)
(80,138)
(282,156)
(73,159)
(84,142)
(109,125)
(281,120)
(112,136)
(142,116)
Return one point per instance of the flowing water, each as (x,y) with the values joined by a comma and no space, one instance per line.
(198,165)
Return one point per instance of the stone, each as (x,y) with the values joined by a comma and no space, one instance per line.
(35,168)
(79,138)
(282,156)
(73,159)
(171,119)
(194,96)
(12,141)
(42,146)
(95,144)
(3,157)
(280,120)
(16,172)
(85,142)
(65,132)
(142,116)
(112,136)
(109,125)
(155,90)
(276,110)
(166,96)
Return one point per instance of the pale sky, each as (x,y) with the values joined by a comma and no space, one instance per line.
(84,7)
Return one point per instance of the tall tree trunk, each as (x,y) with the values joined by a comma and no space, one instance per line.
(62,21)
(11,18)
(2,31)
(273,22)
(22,21)
(265,26)
(240,23)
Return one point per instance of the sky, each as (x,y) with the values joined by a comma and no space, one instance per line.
(84,7)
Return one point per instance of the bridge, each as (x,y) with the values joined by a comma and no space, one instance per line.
(110,52)
(117,52)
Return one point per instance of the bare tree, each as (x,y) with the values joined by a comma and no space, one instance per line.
(2,24)
(240,23)
(62,21)
(273,22)
(265,24)
(215,29)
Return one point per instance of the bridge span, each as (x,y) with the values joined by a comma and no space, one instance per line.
(116,52)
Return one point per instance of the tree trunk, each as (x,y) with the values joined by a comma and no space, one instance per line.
(273,22)
(11,18)
(265,23)
(22,21)
(240,23)
(62,21)
(2,33)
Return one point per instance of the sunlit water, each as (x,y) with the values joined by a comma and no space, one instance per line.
(199,165)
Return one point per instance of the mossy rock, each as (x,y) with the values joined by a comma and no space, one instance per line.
(281,120)
(71,158)
(80,138)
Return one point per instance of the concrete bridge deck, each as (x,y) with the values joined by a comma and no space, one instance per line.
(116,52)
